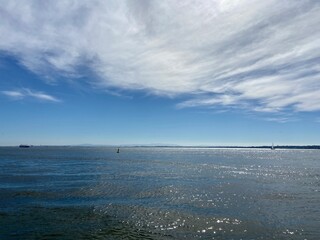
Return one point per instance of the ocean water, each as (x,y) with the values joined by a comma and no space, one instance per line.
(159,193)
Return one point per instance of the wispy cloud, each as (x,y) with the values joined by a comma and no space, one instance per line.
(280,119)
(14,94)
(257,55)
(27,93)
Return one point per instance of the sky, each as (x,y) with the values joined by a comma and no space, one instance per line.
(210,72)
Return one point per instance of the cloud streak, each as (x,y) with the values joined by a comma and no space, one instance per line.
(258,55)
(27,93)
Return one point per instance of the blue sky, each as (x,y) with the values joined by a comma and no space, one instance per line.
(160,72)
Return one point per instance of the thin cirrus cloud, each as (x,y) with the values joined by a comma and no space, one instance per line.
(27,93)
(258,55)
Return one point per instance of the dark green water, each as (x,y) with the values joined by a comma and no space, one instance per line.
(159,193)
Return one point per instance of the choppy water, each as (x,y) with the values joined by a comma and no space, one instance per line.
(159,193)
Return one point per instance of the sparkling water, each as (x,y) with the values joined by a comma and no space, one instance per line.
(159,193)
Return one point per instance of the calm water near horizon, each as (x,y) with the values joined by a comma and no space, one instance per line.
(159,193)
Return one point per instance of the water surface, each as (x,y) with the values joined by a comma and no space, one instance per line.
(159,193)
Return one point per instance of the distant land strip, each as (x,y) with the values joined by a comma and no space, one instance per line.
(181,146)
(263,147)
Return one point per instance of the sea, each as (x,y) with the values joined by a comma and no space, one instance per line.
(159,193)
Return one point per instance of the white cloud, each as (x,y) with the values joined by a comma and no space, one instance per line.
(25,93)
(257,55)
(280,119)
(14,94)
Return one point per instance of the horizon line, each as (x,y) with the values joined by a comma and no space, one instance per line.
(317,146)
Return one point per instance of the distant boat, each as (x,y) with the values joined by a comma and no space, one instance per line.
(272,147)
(24,146)
(118,151)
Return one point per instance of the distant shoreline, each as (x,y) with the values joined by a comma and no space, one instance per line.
(178,146)
(242,147)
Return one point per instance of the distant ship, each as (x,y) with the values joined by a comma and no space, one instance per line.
(24,146)
(272,147)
